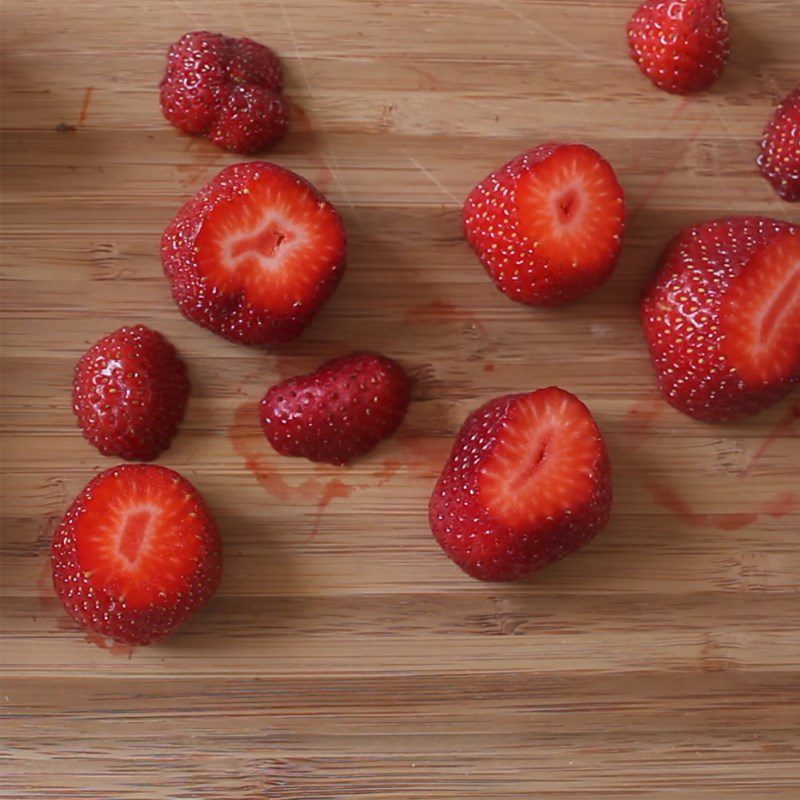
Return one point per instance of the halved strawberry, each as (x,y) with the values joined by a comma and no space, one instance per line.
(548,225)
(528,482)
(254,254)
(722,317)
(136,553)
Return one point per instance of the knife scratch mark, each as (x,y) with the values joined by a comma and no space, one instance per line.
(532,24)
(433,179)
(178,4)
(328,158)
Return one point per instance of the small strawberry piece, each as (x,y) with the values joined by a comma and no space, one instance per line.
(339,412)
(548,225)
(681,45)
(136,553)
(722,317)
(528,482)
(779,159)
(226,89)
(129,393)
(254,254)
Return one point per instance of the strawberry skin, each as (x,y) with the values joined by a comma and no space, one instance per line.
(254,254)
(527,483)
(338,412)
(129,393)
(681,45)
(548,225)
(779,159)
(228,90)
(136,553)
(721,317)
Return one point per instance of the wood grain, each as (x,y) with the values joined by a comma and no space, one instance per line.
(344,656)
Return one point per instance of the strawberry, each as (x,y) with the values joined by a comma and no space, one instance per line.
(136,553)
(681,45)
(548,225)
(779,159)
(129,393)
(338,412)
(228,90)
(528,482)
(254,254)
(722,317)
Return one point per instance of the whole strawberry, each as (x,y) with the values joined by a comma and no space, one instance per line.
(338,412)
(548,225)
(779,159)
(528,482)
(228,90)
(129,393)
(255,254)
(681,45)
(136,553)
(722,317)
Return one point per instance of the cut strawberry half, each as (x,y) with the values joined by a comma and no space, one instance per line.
(136,553)
(548,225)
(545,460)
(527,483)
(760,317)
(255,254)
(722,317)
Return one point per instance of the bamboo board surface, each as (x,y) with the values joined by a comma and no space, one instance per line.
(344,655)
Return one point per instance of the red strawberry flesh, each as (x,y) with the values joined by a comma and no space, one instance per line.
(255,254)
(548,225)
(136,553)
(527,483)
(760,319)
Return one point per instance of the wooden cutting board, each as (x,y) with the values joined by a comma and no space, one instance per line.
(344,656)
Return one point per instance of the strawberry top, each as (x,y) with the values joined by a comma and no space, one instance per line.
(129,393)
(681,45)
(226,89)
(779,159)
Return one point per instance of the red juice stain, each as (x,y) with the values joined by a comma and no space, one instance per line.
(672,501)
(249,442)
(438,311)
(782,427)
(428,81)
(488,367)
(733,522)
(641,416)
(331,490)
(418,456)
(87,96)
(656,184)
(782,505)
